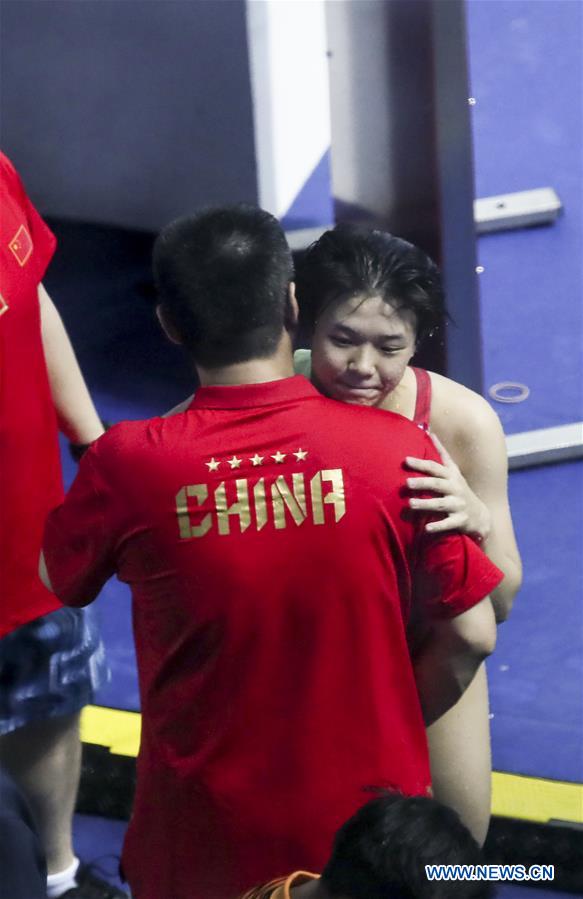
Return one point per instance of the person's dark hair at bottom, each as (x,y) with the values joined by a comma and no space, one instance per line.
(382,850)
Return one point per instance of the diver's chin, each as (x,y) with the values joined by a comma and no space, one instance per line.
(357,396)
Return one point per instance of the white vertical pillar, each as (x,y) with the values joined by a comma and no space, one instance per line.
(289,83)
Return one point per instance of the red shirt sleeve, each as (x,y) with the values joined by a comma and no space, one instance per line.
(79,539)
(452,573)
(43,239)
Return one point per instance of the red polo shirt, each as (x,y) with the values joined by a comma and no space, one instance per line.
(30,473)
(272,561)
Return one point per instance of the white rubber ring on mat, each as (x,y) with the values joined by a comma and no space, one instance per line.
(496,392)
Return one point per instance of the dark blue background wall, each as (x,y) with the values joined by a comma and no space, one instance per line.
(128,113)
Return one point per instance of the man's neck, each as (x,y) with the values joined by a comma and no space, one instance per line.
(254,371)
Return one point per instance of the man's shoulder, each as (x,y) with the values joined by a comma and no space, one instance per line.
(371,440)
(122,440)
(372,419)
(358,428)
(10,180)
(7,169)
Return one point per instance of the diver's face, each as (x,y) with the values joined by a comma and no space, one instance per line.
(361,348)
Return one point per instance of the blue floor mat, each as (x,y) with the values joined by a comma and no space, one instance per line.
(99,841)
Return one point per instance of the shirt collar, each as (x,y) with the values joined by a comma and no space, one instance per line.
(243,396)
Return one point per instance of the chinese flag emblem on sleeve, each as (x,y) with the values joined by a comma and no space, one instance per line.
(21,245)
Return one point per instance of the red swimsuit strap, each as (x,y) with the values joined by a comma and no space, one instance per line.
(423,402)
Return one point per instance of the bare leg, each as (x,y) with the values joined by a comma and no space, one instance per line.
(44,758)
(461,763)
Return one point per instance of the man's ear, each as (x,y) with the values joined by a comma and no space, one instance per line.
(167,326)
(292,311)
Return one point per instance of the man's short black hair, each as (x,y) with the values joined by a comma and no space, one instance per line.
(381,852)
(222,277)
(351,260)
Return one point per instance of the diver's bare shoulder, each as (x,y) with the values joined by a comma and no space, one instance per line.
(460,416)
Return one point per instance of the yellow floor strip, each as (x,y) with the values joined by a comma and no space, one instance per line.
(513,795)
(114,728)
(536,799)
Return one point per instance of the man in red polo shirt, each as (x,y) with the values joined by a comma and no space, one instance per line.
(273,565)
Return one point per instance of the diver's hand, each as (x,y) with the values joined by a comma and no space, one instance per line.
(463,510)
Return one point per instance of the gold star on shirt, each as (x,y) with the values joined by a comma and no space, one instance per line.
(301,455)
(213,464)
(279,457)
(234,462)
(256,459)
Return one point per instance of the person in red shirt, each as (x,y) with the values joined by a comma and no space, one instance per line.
(273,565)
(51,659)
